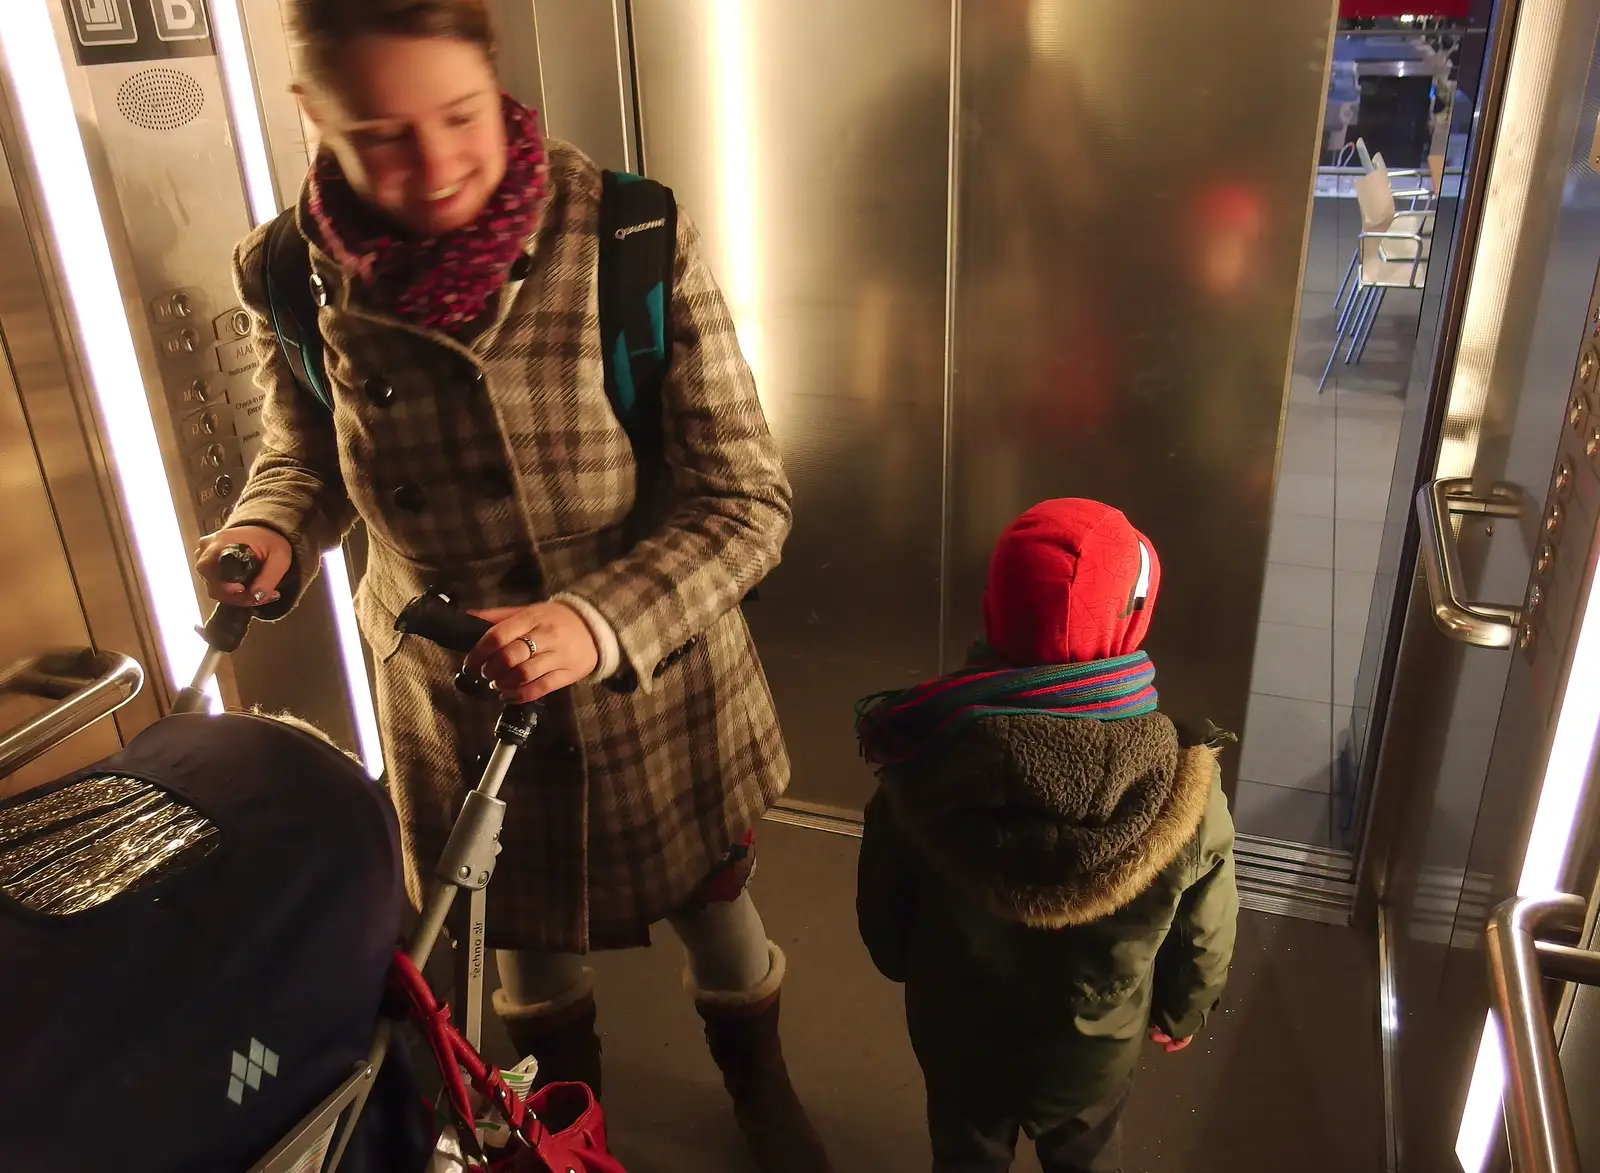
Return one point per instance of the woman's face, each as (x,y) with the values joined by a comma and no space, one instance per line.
(416,125)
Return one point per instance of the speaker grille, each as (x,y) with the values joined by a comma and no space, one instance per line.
(160,99)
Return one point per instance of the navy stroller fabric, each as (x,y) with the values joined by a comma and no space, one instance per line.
(188,1024)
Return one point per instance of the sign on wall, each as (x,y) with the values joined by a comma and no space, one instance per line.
(109,31)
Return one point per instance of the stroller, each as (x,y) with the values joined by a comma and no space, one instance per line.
(308,868)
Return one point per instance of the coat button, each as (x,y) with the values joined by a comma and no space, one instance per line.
(497,484)
(521,267)
(379,391)
(521,579)
(319,289)
(624,681)
(410,498)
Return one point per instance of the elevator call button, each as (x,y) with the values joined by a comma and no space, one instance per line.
(234,324)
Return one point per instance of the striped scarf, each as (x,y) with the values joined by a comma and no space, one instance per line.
(899,726)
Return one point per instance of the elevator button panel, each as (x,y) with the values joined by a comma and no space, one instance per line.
(175,307)
(236,357)
(1567,520)
(233,324)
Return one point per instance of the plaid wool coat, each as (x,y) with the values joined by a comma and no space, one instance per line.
(497,469)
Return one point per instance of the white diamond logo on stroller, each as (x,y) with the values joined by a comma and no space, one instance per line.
(248,1070)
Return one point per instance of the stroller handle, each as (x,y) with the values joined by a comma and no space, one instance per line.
(434,616)
(238,564)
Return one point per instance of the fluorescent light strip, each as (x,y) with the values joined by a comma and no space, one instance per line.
(1550,840)
(337,577)
(738,170)
(250,135)
(227,30)
(79,234)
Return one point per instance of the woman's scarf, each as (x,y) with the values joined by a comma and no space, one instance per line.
(899,726)
(442,282)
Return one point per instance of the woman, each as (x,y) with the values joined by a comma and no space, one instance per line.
(454,249)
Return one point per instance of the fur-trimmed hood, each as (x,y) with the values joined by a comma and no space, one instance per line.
(1056,821)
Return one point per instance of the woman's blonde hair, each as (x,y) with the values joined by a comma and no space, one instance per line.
(320,30)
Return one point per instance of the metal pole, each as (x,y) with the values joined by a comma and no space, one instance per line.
(1538,1119)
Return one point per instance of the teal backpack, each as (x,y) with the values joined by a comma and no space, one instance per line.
(638,246)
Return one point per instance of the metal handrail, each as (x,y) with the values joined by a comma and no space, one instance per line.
(1484,625)
(1538,1118)
(88,684)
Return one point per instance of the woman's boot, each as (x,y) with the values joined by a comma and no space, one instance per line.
(742,1030)
(559,1033)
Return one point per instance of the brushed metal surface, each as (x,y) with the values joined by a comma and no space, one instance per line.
(584,66)
(174,206)
(822,199)
(39,606)
(39,343)
(1464,738)
(1127,286)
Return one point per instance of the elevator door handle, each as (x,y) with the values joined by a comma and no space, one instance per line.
(87,684)
(1484,625)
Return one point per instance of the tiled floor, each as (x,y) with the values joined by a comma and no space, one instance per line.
(1333,489)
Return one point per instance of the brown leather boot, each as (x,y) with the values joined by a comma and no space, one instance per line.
(742,1030)
(559,1033)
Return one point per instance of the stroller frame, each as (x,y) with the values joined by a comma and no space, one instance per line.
(465,866)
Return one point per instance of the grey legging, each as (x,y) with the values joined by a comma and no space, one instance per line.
(726,944)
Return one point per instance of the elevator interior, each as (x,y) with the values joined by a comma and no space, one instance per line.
(972,266)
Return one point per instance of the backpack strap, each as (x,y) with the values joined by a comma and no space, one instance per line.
(287,276)
(638,234)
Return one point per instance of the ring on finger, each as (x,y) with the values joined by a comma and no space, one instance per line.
(533,648)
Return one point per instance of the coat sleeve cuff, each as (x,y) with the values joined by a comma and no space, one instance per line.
(605,636)
(303,565)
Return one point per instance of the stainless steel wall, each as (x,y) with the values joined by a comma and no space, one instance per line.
(1134,188)
(983,254)
(809,142)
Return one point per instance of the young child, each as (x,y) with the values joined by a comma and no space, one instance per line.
(1048,863)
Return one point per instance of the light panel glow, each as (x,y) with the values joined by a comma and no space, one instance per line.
(78,233)
(228,29)
(1549,841)
(250,140)
(738,169)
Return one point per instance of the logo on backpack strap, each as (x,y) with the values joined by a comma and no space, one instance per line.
(248,1070)
(631,229)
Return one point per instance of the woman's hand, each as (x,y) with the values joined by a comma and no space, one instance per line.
(272,551)
(1167,1043)
(532,651)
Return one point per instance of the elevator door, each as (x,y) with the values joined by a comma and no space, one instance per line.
(1467,729)
(39,605)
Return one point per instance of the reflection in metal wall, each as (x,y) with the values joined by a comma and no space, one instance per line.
(810,144)
(86,521)
(1131,189)
(39,607)
(1134,190)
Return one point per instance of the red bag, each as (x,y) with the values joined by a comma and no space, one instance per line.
(558,1129)
(568,1134)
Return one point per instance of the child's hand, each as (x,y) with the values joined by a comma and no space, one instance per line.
(1167,1043)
